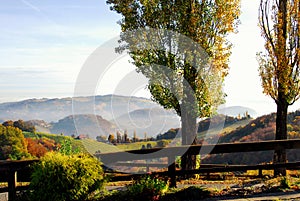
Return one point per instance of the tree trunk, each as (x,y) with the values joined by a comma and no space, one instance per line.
(281,134)
(189,125)
(189,130)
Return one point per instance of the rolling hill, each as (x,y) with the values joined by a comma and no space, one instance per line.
(151,121)
(85,124)
(259,129)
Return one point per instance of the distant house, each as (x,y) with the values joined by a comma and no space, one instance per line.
(82,136)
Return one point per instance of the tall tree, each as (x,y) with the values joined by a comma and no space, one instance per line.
(279,65)
(179,78)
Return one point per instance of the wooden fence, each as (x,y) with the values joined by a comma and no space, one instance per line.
(19,171)
(172,152)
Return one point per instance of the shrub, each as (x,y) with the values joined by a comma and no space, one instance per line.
(148,188)
(285,183)
(162,143)
(61,177)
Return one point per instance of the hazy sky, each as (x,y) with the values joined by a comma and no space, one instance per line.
(44,43)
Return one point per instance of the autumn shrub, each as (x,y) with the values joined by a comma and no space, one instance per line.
(59,177)
(35,148)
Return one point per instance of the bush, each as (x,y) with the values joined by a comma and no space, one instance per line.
(148,188)
(61,177)
(162,143)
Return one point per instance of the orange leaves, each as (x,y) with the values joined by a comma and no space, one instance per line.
(34,148)
(39,147)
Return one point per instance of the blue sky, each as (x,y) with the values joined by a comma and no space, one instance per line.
(44,43)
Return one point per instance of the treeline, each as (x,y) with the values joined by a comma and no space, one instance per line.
(26,126)
(120,138)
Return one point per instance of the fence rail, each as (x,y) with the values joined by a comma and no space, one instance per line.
(172,152)
(13,171)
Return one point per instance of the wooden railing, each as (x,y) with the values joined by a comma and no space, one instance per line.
(172,152)
(18,171)
(8,173)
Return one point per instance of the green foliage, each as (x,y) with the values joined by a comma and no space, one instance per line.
(285,183)
(171,43)
(67,148)
(197,21)
(61,177)
(12,143)
(148,188)
(162,143)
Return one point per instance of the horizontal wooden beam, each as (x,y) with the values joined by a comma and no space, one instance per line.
(108,158)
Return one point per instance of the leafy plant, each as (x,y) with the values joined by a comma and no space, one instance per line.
(61,177)
(285,183)
(67,148)
(148,188)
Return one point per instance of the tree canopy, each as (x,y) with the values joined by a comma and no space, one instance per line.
(12,143)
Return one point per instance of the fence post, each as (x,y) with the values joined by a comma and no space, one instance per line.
(172,171)
(260,174)
(12,183)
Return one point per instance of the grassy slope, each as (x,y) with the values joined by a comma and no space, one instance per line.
(92,146)
(136,145)
(227,129)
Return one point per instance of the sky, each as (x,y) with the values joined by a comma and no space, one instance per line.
(45,43)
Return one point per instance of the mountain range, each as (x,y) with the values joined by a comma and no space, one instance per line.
(98,115)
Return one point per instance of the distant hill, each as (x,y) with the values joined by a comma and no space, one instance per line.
(211,127)
(108,106)
(85,124)
(259,129)
(235,111)
(152,121)
(41,126)
(131,113)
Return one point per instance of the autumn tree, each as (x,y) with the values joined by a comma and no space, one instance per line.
(279,65)
(111,138)
(12,143)
(8,123)
(184,35)
(119,137)
(125,137)
(23,125)
(135,138)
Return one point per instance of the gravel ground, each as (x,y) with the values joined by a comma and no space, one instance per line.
(3,196)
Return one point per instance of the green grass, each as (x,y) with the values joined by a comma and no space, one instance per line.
(92,146)
(135,145)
